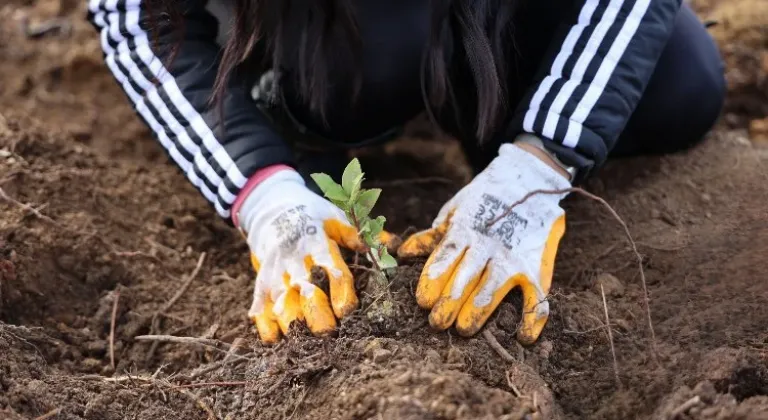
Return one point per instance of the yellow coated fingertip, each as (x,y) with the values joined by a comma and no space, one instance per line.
(533,322)
(446,310)
(429,289)
(255,262)
(342,288)
(343,234)
(422,243)
(472,318)
(550,253)
(291,310)
(343,297)
(390,240)
(266,325)
(318,313)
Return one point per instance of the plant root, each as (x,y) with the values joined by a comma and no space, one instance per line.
(497,347)
(621,221)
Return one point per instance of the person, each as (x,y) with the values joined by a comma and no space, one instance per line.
(249,98)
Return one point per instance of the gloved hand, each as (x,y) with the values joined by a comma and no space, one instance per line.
(289,230)
(472,267)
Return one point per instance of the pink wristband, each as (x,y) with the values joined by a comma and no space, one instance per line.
(255,179)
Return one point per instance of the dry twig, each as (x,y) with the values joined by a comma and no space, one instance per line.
(49,414)
(59,26)
(610,337)
(213,366)
(25,206)
(208,342)
(172,301)
(204,384)
(512,386)
(618,218)
(497,347)
(116,298)
(228,358)
(183,288)
(200,403)
(684,407)
(131,254)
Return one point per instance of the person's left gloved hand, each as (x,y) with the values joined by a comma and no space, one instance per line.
(472,267)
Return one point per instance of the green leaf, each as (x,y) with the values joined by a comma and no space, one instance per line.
(386,260)
(370,240)
(366,201)
(376,225)
(366,227)
(330,188)
(352,172)
(342,205)
(355,192)
(372,257)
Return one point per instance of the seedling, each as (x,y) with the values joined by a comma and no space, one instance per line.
(357,203)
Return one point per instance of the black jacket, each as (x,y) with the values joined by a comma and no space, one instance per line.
(599,57)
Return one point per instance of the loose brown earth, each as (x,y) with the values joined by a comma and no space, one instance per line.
(91,209)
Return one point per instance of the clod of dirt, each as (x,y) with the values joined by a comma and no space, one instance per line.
(381,356)
(704,402)
(758,131)
(612,286)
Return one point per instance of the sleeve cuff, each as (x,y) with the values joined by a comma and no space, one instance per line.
(254,181)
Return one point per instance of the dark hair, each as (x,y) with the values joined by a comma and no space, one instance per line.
(480,29)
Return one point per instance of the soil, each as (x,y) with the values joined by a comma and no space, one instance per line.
(93,217)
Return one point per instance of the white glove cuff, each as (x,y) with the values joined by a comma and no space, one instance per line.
(526,167)
(262,191)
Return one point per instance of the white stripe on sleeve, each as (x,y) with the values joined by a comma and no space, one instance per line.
(605,71)
(556,72)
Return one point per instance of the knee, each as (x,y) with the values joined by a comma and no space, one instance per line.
(703,90)
(709,92)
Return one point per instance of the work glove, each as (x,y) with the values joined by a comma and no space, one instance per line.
(289,230)
(472,267)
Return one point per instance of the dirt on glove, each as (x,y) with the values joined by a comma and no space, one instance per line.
(94,218)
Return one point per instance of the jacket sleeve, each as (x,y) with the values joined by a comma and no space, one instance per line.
(169,77)
(598,65)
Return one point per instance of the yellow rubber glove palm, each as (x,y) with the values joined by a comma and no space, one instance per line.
(290,229)
(472,266)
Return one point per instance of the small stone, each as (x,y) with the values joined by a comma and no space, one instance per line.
(758,132)
(5,153)
(545,349)
(433,356)
(455,356)
(371,348)
(91,365)
(96,348)
(381,355)
(571,323)
(611,285)
(732,120)
(187,221)
(742,141)
(706,198)
(66,262)
(621,324)
(449,411)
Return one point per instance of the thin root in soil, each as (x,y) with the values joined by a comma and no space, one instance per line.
(618,218)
